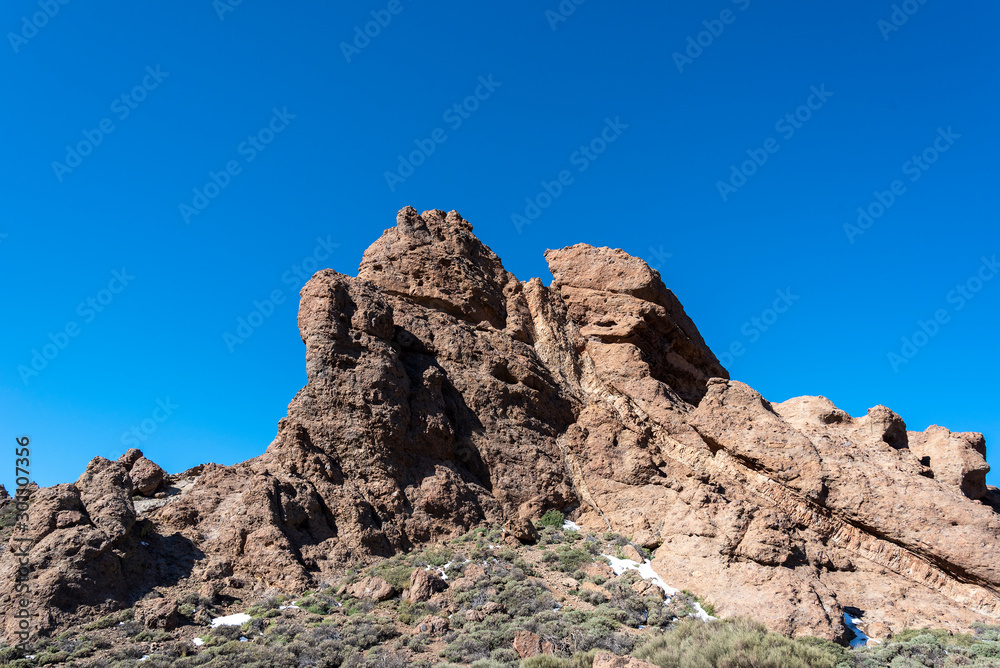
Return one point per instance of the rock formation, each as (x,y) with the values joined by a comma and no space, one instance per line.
(444,393)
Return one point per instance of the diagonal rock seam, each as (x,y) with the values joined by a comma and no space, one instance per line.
(443,393)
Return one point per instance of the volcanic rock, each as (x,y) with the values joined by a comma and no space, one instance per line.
(146,476)
(528,644)
(608,660)
(371,589)
(424,584)
(443,394)
(157,613)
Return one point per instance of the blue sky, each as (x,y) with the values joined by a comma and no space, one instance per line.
(211,153)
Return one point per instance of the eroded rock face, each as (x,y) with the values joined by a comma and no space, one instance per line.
(443,393)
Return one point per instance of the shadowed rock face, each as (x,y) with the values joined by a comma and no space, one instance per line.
(442,393)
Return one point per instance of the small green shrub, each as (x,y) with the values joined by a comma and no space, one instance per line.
(735,643)
(552,518)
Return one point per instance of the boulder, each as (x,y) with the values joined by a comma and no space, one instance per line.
(157,613)
(424,584)
(528,644)
(371,589)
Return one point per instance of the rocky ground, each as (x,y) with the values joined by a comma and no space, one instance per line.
(446,396)
(483,599)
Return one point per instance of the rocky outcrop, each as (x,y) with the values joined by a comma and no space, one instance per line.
(528,644)
(424,584)
(371,589)
(443,393)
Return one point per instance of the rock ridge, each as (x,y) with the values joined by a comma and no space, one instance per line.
(443,393)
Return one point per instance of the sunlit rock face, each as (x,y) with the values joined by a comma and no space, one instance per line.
(443,393)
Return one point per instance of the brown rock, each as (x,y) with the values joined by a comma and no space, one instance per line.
(598,568)
(522,529)
(442,394)
(645,588)
(424,584)
(632,553)
(957,459)
(131,456)
(209,590)
(431,625)
(491,607)
(157,613)
(371,589)
(528,644)
(146,476)
(608,660)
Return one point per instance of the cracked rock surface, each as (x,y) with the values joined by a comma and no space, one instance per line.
(444,393)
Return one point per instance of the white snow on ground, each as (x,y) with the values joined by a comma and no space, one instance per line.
(441,569)
(860,639)
(145,657)
(699,613)
(289,606)
(570,526)
(198,641)
(646,572)
(232,620)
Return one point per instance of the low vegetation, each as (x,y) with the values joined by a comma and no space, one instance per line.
(560,589)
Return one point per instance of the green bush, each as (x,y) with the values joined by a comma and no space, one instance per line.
(735,643)
(571,558)
(578,660)
(927,635)
(552,518)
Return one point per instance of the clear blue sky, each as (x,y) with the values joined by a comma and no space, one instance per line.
(327,131)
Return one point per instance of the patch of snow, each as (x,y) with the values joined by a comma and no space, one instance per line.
(645,571)
(198,641)
(290,606)
(244,639)
(145,657)
(699,613)
(570,526)
(860,639)
(440,570)
(231,620)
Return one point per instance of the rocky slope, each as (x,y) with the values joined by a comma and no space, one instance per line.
(444,394)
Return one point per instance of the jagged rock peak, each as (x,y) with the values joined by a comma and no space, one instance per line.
(442,393)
